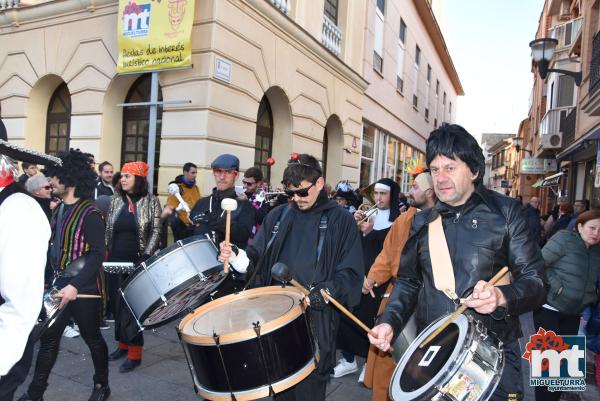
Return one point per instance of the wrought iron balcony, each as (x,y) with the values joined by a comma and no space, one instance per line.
(595,64)
(331,36)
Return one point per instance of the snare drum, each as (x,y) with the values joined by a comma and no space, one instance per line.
(464,362)
(173,282)
(118,267)
(249,345)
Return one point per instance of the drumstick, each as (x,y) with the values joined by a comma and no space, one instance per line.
(462,308)
(227,237)
(329,298)
(366,283)
(80,296)
(228,205)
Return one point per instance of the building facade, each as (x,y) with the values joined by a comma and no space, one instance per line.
(413,86)
(564,118)
(294,85)
(302,77)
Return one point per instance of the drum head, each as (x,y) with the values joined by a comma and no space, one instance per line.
(421,370)
(184,274)
(233,317)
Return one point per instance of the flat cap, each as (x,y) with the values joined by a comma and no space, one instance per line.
(226,161)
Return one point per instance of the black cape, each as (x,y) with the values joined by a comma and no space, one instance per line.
(339,267)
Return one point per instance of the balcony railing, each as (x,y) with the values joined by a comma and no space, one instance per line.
(281,5)
(331,36)
(7,4)
(568,128)
(566,33)
(552,123)
(595,64)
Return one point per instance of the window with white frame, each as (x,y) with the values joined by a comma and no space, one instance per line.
(378,40)
(401,50)
(416,77)
(367,160)
(427,89)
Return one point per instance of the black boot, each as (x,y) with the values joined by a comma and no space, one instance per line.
(100,393)
(117,354)
(129,365)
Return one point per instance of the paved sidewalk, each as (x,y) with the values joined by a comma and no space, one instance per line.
(164,374)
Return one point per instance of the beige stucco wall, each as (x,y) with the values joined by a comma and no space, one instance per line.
(269,54)
(384,105)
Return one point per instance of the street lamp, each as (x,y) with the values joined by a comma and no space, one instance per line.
(542,51)
(518,141)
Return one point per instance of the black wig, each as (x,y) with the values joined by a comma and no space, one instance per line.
(74,172)
(452,141)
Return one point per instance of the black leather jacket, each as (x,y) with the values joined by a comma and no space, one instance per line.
(486,233)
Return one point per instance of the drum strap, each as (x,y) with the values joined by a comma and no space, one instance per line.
(441,264)
(322,230)
(276,227)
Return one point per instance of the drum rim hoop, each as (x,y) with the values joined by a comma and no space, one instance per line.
(171,248)
(262,391)
(448,372)
(245,334)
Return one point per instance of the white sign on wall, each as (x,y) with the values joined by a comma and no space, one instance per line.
(223,69)
(530,165)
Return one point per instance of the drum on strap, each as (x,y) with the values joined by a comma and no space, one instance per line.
(173,282)
(249,345)
(405,338)
(464,362)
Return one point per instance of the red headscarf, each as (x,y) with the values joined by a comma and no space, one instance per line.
(135,168)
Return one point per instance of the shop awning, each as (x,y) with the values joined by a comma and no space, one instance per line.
(552,180)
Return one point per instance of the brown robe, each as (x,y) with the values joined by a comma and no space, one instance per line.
(380,365)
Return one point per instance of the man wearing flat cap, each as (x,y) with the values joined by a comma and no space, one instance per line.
(207,215)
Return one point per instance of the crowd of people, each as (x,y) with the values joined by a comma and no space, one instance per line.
(376,262)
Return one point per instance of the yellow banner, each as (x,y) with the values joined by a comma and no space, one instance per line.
(154,34)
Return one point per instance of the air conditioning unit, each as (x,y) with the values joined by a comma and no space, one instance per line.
(552,141)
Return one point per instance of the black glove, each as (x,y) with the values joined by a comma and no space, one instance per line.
(317,302)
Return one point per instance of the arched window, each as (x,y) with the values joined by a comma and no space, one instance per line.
(58,121)
(135,125)
(264,138)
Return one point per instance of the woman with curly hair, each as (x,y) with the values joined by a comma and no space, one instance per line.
(132,234)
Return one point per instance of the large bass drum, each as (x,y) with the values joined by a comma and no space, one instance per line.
(173,282)
(249,345)
(463,363)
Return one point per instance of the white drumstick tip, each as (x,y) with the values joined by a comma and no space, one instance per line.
(229,204)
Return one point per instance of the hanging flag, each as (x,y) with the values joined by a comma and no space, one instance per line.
(154,34)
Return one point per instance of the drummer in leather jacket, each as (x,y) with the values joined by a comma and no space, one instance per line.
(484,231)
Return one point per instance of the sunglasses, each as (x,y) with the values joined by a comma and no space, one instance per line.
(302,193)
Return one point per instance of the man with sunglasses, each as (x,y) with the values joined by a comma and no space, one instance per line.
(207,215)
(319,242)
